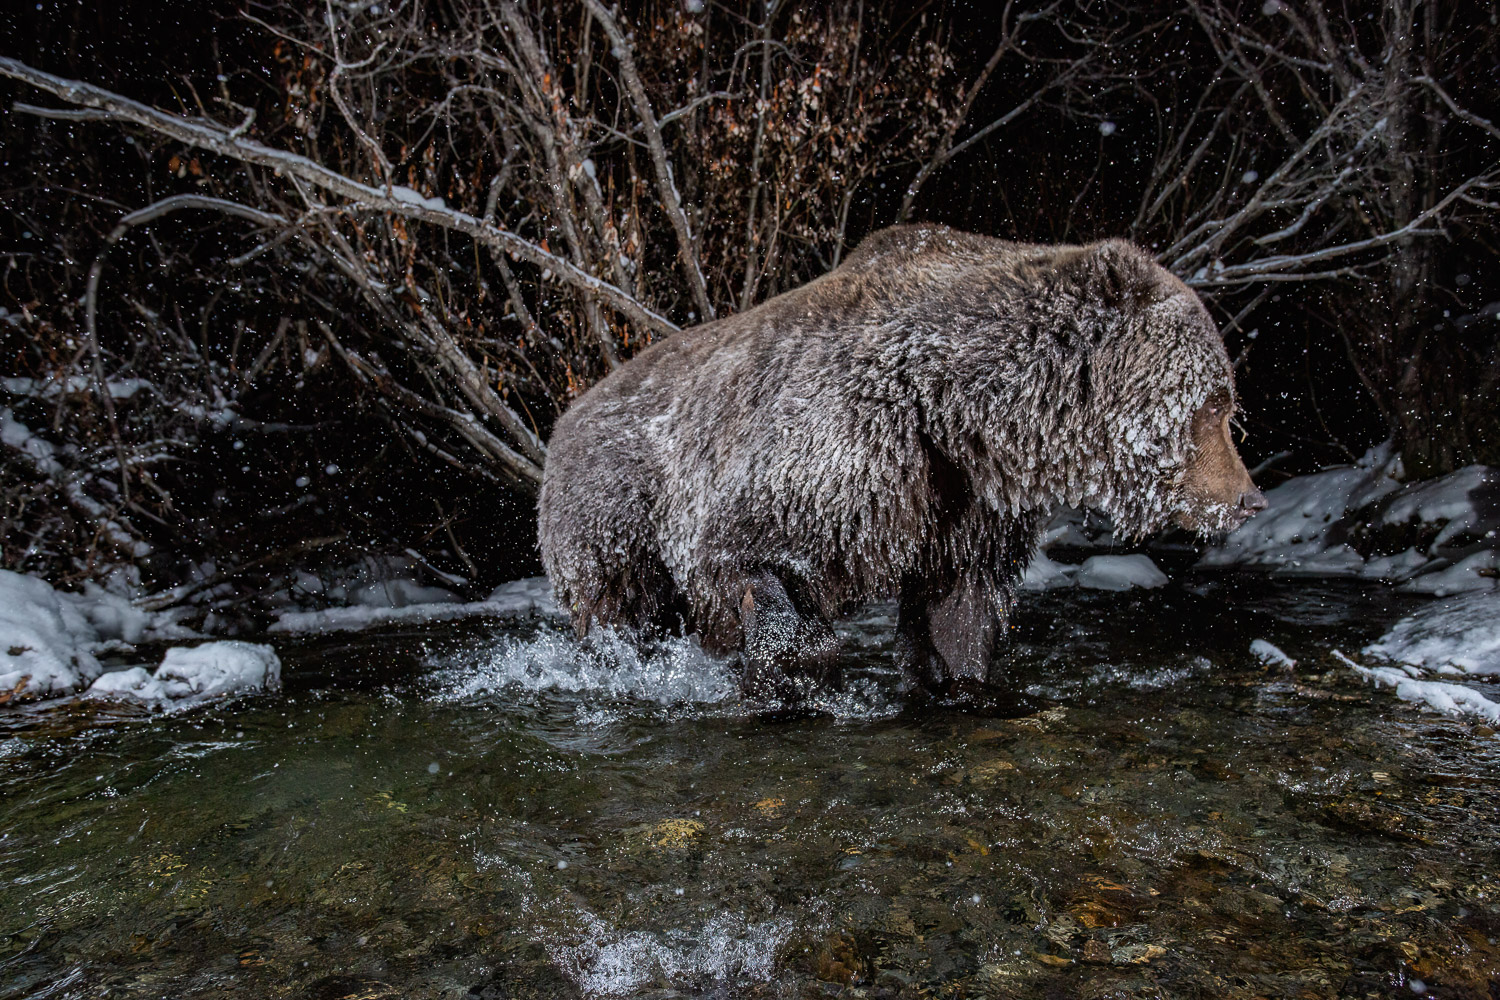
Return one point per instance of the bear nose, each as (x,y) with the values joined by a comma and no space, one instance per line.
(1253,500)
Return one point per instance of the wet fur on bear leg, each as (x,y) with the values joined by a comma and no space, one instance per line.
(788,644)
(642,596)
(950,633)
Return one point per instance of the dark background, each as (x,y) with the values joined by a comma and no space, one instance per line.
(1055,178)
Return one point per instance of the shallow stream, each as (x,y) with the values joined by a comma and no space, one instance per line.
(485,810)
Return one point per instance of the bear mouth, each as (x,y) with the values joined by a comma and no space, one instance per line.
(1213,520)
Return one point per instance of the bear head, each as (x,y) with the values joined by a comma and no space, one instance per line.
(1162,397)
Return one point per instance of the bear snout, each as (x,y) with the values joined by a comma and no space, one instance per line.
(1252,502)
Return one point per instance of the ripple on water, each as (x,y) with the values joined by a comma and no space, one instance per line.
(605,961)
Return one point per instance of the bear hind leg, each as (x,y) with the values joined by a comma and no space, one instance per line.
(640,595)
(789,644)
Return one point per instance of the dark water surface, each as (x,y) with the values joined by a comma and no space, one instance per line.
(483,809)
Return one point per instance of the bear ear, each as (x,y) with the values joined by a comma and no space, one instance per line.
(1117,273)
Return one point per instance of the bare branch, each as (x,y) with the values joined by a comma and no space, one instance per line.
(666,184)
(399,201)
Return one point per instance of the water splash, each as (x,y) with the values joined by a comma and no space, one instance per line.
(665,672)
(607,673)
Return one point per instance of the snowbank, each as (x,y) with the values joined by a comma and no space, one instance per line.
(1453,638)
(50,640)
(1456,636)
(518,597)
(1437,537)
(190,676)
(1292,534)
(46,641)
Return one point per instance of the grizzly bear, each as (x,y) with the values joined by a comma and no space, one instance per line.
(899,427)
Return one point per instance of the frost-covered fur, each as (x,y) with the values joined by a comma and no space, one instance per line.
(896,427)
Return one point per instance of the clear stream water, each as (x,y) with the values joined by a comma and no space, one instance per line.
(485,810)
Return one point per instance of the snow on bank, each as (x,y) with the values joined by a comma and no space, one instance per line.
(1096,573)
(1311,522)
(46,642)
(190,676)
(1453,638)
(1459,635)
(50,640)
(407,603)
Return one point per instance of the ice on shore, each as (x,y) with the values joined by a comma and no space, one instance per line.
(518,597)
(191,675)
(1454,638)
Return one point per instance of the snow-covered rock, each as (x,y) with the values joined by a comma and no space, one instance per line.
(1457,636)
(217,668)
(1474,573)
(1104,572)
(46,641)
(1453,638)
(1453,501)
(190,675)
(1043,573)
(1291,534)
(1437,537)
(1119,573)
(1270,654)
(1444,696)
(135,684)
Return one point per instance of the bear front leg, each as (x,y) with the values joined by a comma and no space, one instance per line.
(787,643)
(950,634)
